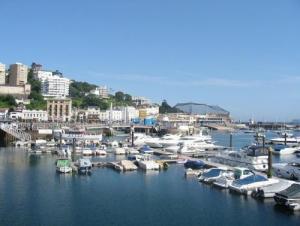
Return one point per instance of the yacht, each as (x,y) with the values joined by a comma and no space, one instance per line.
(63,165)
(281,149)
(211,175)
(249,184)
(238,173)
(145,162)
(287,170)
(254,157)
(287,139)
(99,151)
(84,165)
(289,197)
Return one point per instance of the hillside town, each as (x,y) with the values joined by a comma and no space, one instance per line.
(33,94)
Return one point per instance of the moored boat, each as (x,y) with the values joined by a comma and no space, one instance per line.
(63,165)
(289,197)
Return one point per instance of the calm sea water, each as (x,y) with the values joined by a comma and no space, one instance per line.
(32,193)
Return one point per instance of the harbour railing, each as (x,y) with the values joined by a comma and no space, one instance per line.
(15,132)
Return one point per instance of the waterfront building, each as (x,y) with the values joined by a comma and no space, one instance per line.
(205,114)
(34,115)
(18,74)
(2,74)
(129,113)
(59,109)
(149,111)
(101,91)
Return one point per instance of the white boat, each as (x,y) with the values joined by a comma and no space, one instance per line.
(146,163)
(270,191)
(285,138)
(131,151)
(289,197)
(114,144)
(281,149)
(249,184)
(84,165)
(253,157)
(63,166)
(119,151)
(97,151)
(211,175)
(164,141)
(78,135)
(238,173)
(87,151)
(287,170)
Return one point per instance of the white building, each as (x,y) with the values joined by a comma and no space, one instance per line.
(101,91)
(2,74)
(129,113)
(34,115)
(53,85)
(138,101)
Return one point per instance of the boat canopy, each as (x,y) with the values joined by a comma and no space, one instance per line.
(251,179)
(62,162)
(292,192)
(212,172)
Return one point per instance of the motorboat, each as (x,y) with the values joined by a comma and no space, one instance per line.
(270,191)
(87,151)
(98,151)
(146,163)
(84,165)
(289,170)
(287,139)
(249,184)
(238,173)
(289,197)
(281,149)
(194,164)
(140,139)
(131,151)
(254,157)
(211,175)
(114,144)
(119,151)
(63,165)
(146,150)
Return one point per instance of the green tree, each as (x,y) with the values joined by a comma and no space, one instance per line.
(119,96)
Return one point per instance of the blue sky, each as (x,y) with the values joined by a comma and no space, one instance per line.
(241,55)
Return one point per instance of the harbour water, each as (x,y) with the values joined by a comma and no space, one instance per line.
(32,193)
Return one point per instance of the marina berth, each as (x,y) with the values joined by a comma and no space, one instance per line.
(289,197)
(269,191)
(249,184)
(84,165)
(226,180)
(63,165)
(146,163)
(289,170)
